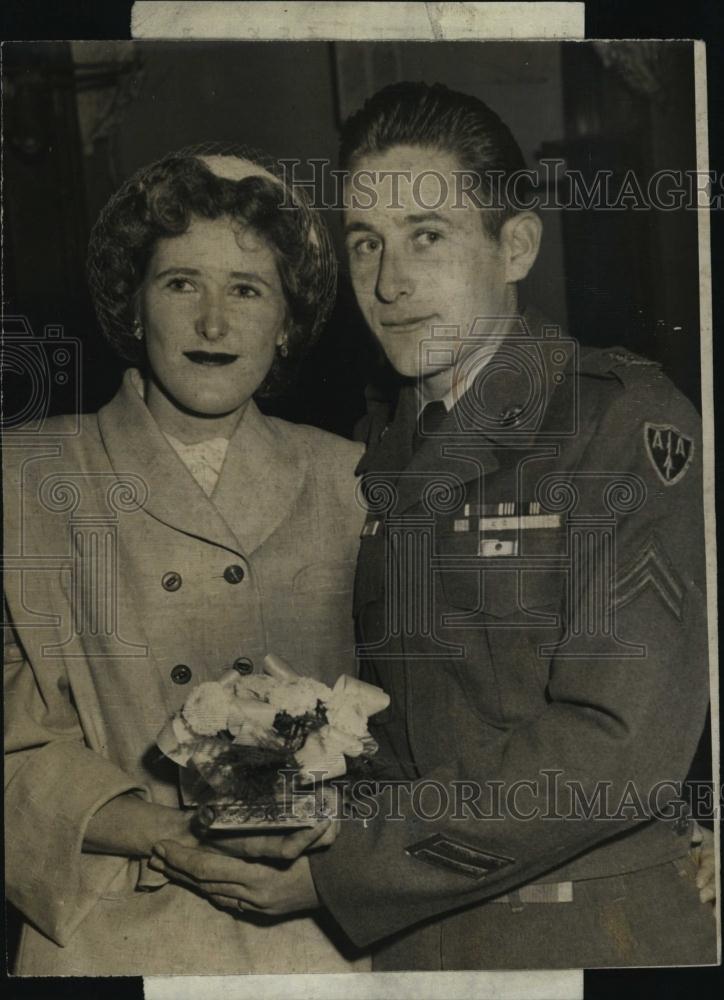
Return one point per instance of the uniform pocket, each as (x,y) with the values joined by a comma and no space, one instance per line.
(508,596)
(502,617)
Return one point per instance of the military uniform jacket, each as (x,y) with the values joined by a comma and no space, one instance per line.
(531,592)
(126,585)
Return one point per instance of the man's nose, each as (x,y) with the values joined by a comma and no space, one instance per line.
(394,278)
(211,323)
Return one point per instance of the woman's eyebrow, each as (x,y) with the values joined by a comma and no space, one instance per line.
(191,271)
(194,272)
(249,276)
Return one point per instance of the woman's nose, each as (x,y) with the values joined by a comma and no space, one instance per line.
(212,323)
(394,278)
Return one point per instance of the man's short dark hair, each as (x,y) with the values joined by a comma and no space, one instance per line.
(420,114)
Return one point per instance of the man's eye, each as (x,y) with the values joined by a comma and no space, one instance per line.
(367,246)
(427,237)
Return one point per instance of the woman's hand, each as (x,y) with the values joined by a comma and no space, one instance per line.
(129,825)
(271,889)
(283,847)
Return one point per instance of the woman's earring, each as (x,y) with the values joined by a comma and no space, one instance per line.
(284,348)
(138,329)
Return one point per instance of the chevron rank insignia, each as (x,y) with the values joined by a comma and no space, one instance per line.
(669,451)
(650,568)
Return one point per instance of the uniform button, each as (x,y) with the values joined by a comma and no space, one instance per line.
(234,574)
(181,674)
(171,581)
(244,665)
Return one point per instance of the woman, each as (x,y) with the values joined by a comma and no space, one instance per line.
(185,533)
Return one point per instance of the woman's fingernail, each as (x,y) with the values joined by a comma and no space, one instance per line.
(160,850)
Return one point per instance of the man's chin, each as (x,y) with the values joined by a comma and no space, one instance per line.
(411,368)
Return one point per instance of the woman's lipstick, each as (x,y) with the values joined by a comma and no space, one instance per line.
(210,357)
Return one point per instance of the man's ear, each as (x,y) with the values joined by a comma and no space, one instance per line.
(520,238)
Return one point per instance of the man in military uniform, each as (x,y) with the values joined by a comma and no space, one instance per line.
(530,591)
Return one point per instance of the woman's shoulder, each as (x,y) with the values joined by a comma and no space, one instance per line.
(322,446)
(66,443)
(330,460)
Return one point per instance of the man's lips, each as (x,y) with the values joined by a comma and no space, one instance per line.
(406,323)
(210,357)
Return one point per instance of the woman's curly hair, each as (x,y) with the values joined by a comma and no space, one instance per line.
(161,199)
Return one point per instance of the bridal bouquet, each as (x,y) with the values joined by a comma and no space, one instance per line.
(249,743)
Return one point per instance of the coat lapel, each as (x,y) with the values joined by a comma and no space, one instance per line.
(261,478)
(259,481)
(453,455)
(392,452)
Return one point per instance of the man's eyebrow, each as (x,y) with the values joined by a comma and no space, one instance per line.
(358,227)
(193,272)
(423,217)
(414,219)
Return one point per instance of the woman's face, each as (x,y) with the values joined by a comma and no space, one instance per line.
(213,311)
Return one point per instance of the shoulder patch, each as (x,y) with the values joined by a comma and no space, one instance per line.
(669,451)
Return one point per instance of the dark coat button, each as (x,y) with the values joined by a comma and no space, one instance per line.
(244,665)
(181,674)
(234,574)
(171,581)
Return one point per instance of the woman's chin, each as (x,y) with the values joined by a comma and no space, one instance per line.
(215,408)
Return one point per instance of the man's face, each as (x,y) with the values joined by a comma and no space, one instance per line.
(419,262)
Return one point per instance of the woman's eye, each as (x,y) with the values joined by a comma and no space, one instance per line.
(180,285)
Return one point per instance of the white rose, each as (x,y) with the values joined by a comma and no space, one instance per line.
(348,716)
(258,685)
(299,697)
(206,709)
(317,763)
(337,741)
(252,719)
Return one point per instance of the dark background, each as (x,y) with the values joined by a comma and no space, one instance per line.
(626,278)
(81,117)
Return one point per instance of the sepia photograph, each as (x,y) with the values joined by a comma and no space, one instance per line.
(359,548)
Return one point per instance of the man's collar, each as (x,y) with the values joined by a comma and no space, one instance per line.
(469,369)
